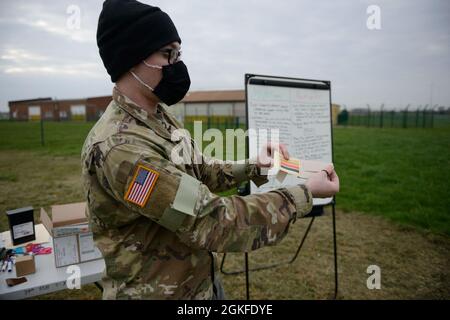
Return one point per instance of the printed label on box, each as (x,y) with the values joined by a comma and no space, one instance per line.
(66,250)
(23,230)
(70,230)
(87,248)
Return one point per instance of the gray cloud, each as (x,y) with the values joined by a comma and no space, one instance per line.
(223,39)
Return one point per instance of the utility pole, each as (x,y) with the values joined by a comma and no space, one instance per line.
(431,102)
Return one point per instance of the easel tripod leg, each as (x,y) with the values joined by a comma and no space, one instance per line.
(335,254)
(247,284)
(98,285)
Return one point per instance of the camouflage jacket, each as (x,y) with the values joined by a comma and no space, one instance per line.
(156,221)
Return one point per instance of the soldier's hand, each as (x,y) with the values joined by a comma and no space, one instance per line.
(265,156)
(323,184)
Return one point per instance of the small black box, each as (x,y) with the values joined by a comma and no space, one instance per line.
(21,225)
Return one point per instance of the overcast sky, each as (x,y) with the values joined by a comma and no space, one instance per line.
(406,61)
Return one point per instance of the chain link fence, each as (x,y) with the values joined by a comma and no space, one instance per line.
(407,117)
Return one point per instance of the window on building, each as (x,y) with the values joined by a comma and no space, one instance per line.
(78,112)
(34,113)
(63,115)
(48,115)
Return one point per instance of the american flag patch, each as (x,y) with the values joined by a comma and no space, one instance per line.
(141,186)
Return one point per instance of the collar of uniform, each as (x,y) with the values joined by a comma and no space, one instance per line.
(140,114)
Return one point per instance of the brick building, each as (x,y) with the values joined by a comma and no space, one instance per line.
(26,109)
(49,109)
(219,105)
(197,104)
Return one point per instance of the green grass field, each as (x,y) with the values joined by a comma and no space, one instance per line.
(401,174)
(60,138)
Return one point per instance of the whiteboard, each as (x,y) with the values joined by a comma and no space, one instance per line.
(294,112)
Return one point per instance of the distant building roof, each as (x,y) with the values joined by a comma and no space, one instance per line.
(100,97)
(31,100)
(215,96)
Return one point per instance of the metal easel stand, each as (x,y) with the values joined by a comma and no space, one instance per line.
(316,211)
(99,286)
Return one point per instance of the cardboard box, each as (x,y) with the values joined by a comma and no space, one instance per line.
(73,240)
(25,265)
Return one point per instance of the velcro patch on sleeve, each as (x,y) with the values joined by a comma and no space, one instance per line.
(141,185)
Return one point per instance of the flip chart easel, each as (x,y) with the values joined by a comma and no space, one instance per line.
(296,112)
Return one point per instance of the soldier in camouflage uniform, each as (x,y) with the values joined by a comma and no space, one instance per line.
(158,222)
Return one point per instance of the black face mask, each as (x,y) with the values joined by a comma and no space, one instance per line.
(174,84)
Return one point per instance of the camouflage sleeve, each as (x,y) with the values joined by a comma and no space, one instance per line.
(220,175)
(186,206)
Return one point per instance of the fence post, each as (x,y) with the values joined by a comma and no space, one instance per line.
(42,131)
(432,115)
(404,119)
(368,116)
(381,116)
(417,116)
(424,116)
(405,114)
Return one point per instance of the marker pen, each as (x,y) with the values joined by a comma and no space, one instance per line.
(9,266)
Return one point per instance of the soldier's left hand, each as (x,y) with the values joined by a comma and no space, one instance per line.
(265,157)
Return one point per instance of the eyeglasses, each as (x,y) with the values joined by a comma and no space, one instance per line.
(172,54)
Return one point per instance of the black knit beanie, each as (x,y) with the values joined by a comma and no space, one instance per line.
(129,31)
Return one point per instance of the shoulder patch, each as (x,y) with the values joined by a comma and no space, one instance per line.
(141,185)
